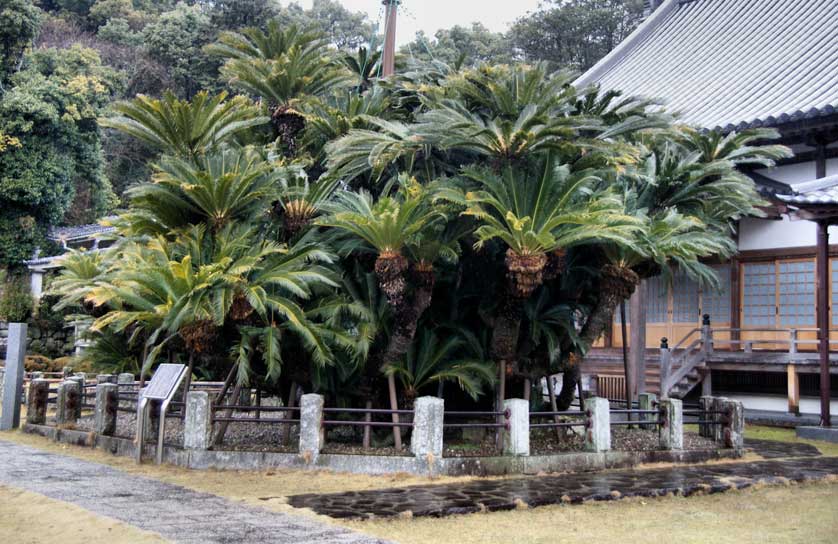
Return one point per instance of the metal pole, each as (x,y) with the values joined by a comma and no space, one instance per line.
(822,291)
(625,353)
(389,61)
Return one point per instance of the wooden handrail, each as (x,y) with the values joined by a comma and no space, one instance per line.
(684,339)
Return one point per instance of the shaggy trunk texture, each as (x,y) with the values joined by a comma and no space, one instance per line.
(240,309)
(288,124)
(390,270)
(556,264)
(616,284)
(526,272)
(407,314)
(199,336)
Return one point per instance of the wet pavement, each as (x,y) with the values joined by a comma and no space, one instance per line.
(176,513)
(495,495)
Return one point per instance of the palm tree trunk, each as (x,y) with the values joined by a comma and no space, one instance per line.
(222,427)
(551,391)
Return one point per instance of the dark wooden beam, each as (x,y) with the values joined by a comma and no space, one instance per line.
(822,291)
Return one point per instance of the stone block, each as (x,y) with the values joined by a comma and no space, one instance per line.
(107,401)
(516,440)
(733,430)
(672,425)
(197,426)
(647,401)
(126,378)
(13,379)
(312,436)
(68,402)
(426,440)
(598,432)
(37,400)
(106,378)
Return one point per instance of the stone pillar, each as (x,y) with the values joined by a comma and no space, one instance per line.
(106,378)
(312,436)
(647,401)
(733,430)
(126,378)
(13,379)
(516,440)
(426,440)
(666,367)
(107,400)
(197,426)
(68,403)
(598,431)
(36,406)
(672,425)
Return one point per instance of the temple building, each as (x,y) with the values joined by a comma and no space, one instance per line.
(732,65)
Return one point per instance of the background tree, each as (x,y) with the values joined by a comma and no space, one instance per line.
(19,21)
(461,45)
(575,33)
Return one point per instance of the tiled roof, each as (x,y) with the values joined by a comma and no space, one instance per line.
(819,191)
(78,232)
(731,64)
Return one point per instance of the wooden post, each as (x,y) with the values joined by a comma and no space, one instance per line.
(822,290)
(394,405)
(706,335)
(388,66)
(706,382)
(637,340)
(627,372)
(367,428)
(793,389)
(666,368)
(792,341)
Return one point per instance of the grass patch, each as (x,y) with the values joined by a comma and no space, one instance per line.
(801,513)
(788,435)
(30,518)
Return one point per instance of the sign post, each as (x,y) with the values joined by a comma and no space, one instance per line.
(162,387)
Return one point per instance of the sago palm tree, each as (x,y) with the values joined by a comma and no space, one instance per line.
(538,211)
(281,66)
(431,361)
(185,129)
(217,189)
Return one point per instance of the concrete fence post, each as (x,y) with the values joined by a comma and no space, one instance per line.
(2,381)
(428,415)
(733,430)
(666,367)
(68,403)
(516,440)
(125,378)
(705,403)
(598,431)
(312,435)
(107,401)
(37,400)
(197,425)
(106,378)
(672,425)
(647,401)
(13,379)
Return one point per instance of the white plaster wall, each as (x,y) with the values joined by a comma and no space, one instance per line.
(779,233)
(798,173)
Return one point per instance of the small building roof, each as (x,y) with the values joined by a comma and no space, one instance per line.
(823,191)
(731,64)
(79,232)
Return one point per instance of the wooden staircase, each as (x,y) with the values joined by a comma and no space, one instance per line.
(685,364)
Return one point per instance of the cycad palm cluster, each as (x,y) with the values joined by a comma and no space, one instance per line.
(468,226)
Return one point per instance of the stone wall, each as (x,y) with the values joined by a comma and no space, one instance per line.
(52,342)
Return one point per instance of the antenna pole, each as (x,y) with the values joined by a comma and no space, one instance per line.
(389,64)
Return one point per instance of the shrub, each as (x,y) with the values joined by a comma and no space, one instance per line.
(16,301)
